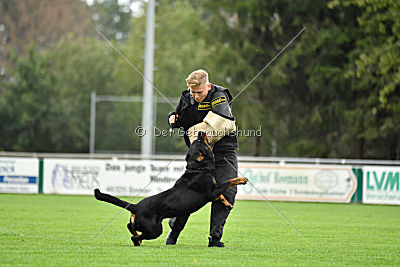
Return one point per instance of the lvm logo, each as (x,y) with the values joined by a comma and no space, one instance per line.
(383,181)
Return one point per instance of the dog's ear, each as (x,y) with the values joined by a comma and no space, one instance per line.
(200,135)
(187,157)
(200,157)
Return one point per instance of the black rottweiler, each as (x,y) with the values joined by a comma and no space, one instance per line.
(193,190)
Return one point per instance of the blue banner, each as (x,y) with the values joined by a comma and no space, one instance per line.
(18,179)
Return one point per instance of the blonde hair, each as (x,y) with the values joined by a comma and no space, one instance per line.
(197,78)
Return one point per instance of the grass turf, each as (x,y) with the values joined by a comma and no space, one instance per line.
(61,230)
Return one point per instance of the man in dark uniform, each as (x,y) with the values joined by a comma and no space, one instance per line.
(206,107)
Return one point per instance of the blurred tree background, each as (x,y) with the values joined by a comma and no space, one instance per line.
(334,92)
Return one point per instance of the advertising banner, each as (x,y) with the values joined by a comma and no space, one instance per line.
(19,175)
(298,183)
(116,177)
(381,185)
(145,178)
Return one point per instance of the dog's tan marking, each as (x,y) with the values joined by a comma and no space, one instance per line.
(135,233)
(204,136)
(224,201)
(206,140)
(200,157)
(238,180)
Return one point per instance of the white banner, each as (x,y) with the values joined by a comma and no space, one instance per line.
(134,177)
(117,177)
(381,185)
(298,183)
(19,175)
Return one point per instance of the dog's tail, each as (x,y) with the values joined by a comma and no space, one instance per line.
(114,200)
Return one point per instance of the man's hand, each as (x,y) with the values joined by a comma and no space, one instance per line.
(172,119)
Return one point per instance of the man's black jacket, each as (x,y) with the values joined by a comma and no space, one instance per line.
(190,113)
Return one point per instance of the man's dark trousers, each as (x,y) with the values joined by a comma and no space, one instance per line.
(223,172)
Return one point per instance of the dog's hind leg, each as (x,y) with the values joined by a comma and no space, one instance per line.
(150,228)
(131,225)
(135,234)
(131,228)
(137,240)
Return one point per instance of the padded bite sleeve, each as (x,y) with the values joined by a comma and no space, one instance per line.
(215,126)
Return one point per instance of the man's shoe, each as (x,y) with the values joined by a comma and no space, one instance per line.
(212,242)
(172,238)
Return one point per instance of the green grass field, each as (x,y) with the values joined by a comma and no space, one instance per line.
(61,230)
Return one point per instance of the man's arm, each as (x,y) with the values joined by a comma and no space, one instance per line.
(220,105)
(218,122)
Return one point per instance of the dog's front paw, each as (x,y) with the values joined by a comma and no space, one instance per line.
(241,180)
